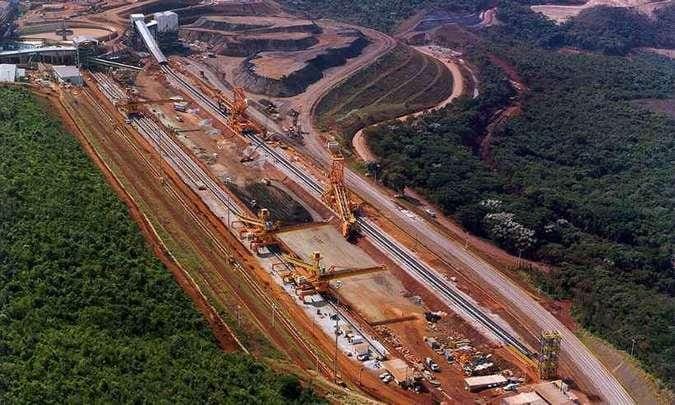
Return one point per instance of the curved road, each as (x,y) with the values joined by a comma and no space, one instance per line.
(359,141)
(516,300)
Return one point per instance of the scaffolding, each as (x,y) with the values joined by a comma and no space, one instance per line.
(550,354)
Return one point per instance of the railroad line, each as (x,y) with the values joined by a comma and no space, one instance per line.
(195,174)
(402,255)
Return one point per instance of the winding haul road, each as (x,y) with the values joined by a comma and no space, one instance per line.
(359,139)
(517,300)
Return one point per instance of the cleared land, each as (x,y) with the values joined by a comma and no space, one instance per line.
(562,13)
(275,56)
(377,297)
(400,82)
(325,239)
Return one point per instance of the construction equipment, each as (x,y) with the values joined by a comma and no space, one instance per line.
(295,130)
(261,229)
(318,275)
(248,157)
(130,106)
(236,110)
(550,354)
(337,195)
(306,274)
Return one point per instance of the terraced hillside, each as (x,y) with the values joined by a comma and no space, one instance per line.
(400,82)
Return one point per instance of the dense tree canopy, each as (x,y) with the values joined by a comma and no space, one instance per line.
(611,30)
(582,180)
(383,15)
(87,314)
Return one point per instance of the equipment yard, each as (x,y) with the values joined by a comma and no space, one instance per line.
(288,253)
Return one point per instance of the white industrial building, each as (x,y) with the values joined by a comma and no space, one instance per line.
(10,73)
(167,21)
(484,382)
(525,398)
(68,74)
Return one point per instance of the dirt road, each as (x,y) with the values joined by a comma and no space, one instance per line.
(518,302)
(562,13)
(441,54)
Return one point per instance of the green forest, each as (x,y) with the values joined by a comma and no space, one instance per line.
(582,179)
(382,15)
(610,30)
(87,313)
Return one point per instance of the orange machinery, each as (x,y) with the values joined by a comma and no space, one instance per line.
(337,195)
(261,228)
(318,275)
(130,106)
(237,118)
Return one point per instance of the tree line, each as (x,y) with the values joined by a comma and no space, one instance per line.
(87,313)
(610,30)
(582,180)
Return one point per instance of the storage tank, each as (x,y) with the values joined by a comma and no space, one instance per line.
(167,21)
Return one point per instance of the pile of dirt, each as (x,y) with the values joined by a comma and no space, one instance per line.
(247,36)
(282,206)
(238,46)
(400,82)
(256,25)
(301,70)
(188,15)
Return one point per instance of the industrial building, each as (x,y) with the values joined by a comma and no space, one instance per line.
(474,384)
(403,375)
(525,398)
(10,73)
(68,75)
(556,393)
(546,393)
(167,21)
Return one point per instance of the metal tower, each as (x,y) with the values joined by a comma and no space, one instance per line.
(549,355)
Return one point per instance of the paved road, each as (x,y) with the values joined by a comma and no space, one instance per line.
(517,300)
(512,296)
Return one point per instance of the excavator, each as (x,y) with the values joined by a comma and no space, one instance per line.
(337,195)
(261,228)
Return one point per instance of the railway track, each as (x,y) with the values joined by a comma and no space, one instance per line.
(196,175)
(379,237)
(588,365)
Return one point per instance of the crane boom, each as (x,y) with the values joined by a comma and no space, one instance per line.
(131,104)
(236,110)
(337,195)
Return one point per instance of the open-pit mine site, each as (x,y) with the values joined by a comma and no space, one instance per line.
(235,133)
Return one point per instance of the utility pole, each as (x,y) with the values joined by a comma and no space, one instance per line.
(632,346)
(337,321)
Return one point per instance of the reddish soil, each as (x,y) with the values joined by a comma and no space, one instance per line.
(259,317)
(501,118)
(224,336)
